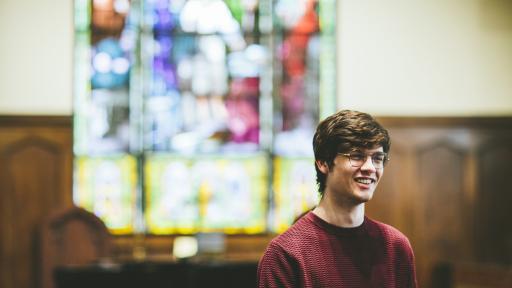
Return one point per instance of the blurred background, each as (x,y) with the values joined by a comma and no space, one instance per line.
(182,130)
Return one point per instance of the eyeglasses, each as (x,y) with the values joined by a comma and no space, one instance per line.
(357,159)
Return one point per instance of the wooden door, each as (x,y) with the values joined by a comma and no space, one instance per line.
(35,179)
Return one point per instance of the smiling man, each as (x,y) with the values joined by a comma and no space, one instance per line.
(335,244)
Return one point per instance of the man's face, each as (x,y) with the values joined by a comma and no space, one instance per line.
(352,185)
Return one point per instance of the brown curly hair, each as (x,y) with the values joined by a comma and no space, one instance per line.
(341,133)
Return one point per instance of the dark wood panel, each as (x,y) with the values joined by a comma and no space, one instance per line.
(441,188)
(35,178)
(440,220)
(33,198)
(448,177)
(388,201)
(494,201)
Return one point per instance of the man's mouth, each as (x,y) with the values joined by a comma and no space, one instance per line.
(365,181)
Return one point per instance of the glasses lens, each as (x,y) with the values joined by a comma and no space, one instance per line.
(378,160)
(357,159)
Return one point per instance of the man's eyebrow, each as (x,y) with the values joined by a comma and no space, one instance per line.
(359,150)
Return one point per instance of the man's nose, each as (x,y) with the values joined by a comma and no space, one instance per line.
(368,164)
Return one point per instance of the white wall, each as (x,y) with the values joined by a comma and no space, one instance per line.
(435,57)
(396,57)
(36,57)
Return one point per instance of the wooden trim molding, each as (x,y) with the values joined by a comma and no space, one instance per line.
(36,120)
(495,122)
(473,122)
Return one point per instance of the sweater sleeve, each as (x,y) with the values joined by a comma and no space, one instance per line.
(277,268)
(410,266)
(413,281)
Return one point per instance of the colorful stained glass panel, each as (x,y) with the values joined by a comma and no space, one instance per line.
(172,202)
(106,186)
(206,194)
(295,190)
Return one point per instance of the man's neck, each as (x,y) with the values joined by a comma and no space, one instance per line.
(340,214)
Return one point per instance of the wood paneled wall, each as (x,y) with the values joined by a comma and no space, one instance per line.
(35,179)
(446,187)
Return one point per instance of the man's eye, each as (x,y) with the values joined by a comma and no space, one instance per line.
(357,156)
(379,158)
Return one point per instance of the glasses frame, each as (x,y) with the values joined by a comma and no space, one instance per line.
(349,156)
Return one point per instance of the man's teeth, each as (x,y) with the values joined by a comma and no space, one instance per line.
(364,181)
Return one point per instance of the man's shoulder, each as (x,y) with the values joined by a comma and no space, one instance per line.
(388,232)
(300,233)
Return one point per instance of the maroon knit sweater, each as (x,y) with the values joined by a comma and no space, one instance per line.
(314,253)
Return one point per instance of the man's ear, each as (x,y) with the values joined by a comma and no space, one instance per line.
(322,166)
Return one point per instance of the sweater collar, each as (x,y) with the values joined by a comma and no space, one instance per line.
(333,229)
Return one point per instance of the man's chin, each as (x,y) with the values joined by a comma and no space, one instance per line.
(364,196)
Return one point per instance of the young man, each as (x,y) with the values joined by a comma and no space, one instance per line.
(336,245)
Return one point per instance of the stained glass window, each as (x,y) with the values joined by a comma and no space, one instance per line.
(106,185)
(188,194)
(303,93)
(197,115)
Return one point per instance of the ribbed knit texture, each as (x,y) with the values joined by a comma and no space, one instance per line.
(314,253)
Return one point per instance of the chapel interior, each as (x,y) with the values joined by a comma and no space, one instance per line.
(165,143)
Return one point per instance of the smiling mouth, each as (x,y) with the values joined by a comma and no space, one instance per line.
(366,181)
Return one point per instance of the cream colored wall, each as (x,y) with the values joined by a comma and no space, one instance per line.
(436,57)
(396,57)
(36,57)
